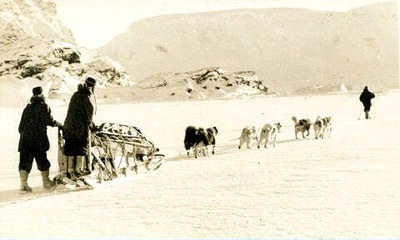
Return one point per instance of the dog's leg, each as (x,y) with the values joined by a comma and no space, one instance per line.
(188,152)
(206,151)
(213,152)
(248,142)
(260,141)
(315,131)
(266,136)
(322,133)
(273,136)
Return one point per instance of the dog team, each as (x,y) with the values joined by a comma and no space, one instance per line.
(200,139)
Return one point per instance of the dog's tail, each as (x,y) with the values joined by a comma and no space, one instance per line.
(294,120)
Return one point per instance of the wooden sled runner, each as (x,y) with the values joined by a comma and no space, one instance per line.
(117,150)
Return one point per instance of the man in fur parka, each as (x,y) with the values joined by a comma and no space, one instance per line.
(33,142)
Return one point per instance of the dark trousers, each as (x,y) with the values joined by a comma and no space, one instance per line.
(26,161)
(367,108)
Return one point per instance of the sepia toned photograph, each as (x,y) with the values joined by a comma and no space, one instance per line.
(199,119)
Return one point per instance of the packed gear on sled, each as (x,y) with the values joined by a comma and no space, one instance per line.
(116,150)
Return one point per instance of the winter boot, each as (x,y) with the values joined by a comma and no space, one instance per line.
(89,164)
(367,115)
(81,165)
(47,183)
(71,167)
(23,175)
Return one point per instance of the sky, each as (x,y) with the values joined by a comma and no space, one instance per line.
(95,22)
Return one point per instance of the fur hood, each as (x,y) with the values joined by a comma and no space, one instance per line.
(37,99)
(84,89)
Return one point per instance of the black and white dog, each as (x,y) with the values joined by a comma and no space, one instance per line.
(199,139)
(301,126)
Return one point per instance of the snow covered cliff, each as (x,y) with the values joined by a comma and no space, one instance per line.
(36,49)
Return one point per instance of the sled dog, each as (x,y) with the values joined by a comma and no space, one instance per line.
(302,126)
(269,133)
(248,133)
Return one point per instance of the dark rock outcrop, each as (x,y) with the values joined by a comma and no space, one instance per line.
(209,83)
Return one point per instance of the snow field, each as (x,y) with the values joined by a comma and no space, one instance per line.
(343,186)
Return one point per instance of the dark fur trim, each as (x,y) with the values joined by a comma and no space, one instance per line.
(37,99)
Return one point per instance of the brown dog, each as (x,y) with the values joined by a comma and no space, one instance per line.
(248,133)
(319,128)
(269,132)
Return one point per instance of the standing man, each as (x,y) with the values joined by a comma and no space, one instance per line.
(365,98)
(33,142)
(77,126)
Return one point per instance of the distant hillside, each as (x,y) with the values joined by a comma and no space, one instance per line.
(288,48)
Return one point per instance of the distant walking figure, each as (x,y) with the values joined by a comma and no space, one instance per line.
(365,98)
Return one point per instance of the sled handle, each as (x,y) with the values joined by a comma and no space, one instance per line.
(60,135)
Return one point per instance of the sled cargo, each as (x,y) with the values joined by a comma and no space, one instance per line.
(116,150)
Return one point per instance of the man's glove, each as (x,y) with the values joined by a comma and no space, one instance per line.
(59,125)
(94,128)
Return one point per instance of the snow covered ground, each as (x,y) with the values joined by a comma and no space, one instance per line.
(346,186)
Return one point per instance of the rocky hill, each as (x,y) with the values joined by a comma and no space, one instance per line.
(30,18)
(202,84)
(288,48)
(205,83)
(36,49)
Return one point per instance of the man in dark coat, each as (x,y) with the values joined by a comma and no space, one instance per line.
(77,126)
(365,98)
(33,142)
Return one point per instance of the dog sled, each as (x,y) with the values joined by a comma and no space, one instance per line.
(116,150)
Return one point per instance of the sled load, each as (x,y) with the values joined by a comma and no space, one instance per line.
(116,150)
